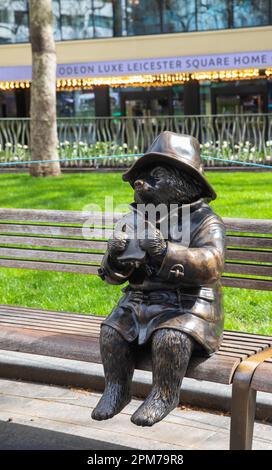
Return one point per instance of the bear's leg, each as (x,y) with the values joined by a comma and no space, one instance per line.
(171,352)
(118,362)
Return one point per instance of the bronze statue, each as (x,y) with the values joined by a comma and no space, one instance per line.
(173,298)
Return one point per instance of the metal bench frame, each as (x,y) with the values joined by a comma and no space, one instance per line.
(53,241)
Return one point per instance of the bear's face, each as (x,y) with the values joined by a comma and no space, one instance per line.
(167,185)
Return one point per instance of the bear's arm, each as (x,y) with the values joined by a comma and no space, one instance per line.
(200,264)
(114,273)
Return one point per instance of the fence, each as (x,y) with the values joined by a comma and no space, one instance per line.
(244,137)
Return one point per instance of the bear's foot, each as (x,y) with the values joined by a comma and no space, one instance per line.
(113,400)
(154,408)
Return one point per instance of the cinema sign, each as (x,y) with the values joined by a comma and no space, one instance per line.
(243,60)
(167,65)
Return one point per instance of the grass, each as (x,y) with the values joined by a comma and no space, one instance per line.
(241,194)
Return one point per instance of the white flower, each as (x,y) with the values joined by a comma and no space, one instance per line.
(207,144)
(25,147)
(225,144)
(66,142)
(125,146)
(8,145)
(268,143)
(253,149)
(19,146)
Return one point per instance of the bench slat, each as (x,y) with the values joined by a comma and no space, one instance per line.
(38,319)
(243,345)
(51,313)
(253,269)
(256,342)
(246,283)
(249,255)
(250,242)
(248,351)
(53,242)
(244,335)
(78,217)
(47,328)
(48,230)
(240,356)
(44,266)
(262,226)
(50,255)
(58,216)
(262,379)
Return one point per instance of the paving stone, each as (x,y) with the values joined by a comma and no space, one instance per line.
(61,417)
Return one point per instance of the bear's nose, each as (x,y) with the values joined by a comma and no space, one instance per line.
(138,184)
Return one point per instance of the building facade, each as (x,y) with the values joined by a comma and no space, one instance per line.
(145,57)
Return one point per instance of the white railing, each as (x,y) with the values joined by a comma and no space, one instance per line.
(243,137)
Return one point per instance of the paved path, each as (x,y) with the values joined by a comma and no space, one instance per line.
(34,416)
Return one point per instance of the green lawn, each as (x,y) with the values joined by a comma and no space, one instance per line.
(239,195)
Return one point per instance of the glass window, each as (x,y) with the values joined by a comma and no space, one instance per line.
(178,100)
(84,103)
(143,17)
(250,13)
(103,18)
(13,21)
(79,103)
(269,96)
(83,19)
(213,14)
(179,15)
(205,98)
(56,20)
(115,102)
(75,19)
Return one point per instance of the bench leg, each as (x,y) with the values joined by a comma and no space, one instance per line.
(244,401)
(242,416)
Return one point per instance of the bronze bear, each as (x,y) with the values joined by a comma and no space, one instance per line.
(173,299)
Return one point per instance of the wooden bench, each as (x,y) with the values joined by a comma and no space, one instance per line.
(53,241)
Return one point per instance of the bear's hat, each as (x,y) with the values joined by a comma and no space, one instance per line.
(179,150)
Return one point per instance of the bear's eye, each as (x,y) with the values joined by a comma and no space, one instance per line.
(157,173)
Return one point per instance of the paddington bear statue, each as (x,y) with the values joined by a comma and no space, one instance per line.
(173,299)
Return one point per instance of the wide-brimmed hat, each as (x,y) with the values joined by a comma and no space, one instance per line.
(179,150)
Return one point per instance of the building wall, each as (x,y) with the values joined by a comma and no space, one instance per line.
(140,47)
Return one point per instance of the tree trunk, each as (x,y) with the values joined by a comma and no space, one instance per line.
(43,129)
